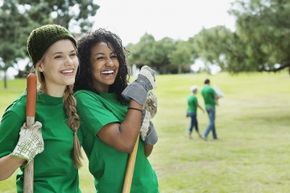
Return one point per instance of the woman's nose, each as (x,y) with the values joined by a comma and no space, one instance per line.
(68,61)
(109,62)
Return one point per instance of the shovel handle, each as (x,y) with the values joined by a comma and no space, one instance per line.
(130,168)
(30,117)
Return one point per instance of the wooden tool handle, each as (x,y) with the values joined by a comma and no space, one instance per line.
(31,95)
(30,117)
(130,168)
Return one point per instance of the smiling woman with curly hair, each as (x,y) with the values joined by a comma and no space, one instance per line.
(111,114)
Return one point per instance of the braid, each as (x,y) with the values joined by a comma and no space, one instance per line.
(73,122)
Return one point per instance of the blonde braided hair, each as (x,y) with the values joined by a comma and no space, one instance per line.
(73,122)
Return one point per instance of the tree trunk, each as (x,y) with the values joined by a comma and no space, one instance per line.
(179,69)
(5,79)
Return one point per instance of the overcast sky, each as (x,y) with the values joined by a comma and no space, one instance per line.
(178,19)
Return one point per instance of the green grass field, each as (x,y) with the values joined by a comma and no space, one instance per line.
(253,124)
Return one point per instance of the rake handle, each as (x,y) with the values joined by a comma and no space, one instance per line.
(30,118)
(130,169)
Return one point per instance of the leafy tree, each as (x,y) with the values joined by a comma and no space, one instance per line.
(19,17)
(68,13)
(181,58)
(163,49)
(213,44)
(148,51)
(142,53)
(11,36)
(264,26)
(259,43)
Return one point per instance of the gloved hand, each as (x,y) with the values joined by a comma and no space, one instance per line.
(147,131)
(151,103)
(139,88)
(30,142)
(146,118)
(151,137)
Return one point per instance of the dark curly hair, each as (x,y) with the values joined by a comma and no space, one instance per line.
(84,78)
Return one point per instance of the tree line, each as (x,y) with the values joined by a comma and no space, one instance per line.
(259,42)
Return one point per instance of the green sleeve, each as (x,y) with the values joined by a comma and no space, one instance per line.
(93,114)
(11,122)
(9,132)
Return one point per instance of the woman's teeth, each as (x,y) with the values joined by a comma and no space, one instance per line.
(108,72)
(67,71)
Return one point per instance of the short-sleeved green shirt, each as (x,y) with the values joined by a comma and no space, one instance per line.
(107,164)
(192,104)
(54,171)
(208,95)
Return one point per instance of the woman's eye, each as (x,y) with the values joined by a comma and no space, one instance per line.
(57,56)
(73,54)
(100,58)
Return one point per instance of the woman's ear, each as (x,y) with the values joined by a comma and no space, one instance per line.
(40,67)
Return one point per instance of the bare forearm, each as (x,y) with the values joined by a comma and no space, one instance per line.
(130,127)
(8,165)
(124,135)
(200,107)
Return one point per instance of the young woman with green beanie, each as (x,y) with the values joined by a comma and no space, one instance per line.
(55,148)
(111,111)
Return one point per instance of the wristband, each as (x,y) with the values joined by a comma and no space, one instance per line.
(140,110)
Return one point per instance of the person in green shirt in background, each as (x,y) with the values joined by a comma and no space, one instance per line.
(210,98)
(192,105)
(52,142)
(111,114)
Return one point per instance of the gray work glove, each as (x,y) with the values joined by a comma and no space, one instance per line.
(138,89)
(151,103)
(151,137)
(146,119)
(30,142)
(147,131)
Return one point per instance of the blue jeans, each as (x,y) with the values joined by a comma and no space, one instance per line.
(193,122)
(211,126)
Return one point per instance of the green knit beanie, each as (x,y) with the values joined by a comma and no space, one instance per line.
(41,38)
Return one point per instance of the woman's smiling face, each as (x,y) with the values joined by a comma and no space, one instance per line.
(105,65)
(59,65)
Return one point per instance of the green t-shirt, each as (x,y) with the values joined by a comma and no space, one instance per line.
(54,170)
(208,95)
(107,164)
(192,104)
